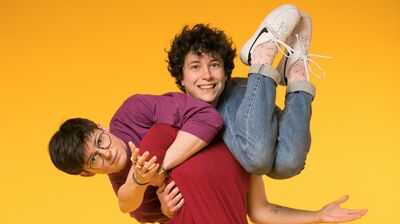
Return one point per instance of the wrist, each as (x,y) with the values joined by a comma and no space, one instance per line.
(317,216)
(162,171)
(138,182)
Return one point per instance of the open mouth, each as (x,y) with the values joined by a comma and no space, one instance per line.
(207,86)
(116,154)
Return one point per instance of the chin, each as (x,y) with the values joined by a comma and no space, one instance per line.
(207,99)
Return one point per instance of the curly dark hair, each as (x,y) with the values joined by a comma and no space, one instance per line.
(199,39)
(68,145)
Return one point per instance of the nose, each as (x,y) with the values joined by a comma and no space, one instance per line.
(105,153)
(206,74)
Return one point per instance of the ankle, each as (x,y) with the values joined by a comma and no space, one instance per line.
(297,72)
(264,54)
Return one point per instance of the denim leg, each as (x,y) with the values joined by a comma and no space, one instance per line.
(264,139)
(251,126)
(294,138)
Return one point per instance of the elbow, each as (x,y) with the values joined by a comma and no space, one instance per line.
(255,219)
(126,207)
(219,120)
(167,164)
(123,209)
(260,217)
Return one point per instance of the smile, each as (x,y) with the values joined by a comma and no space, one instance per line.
(207,86)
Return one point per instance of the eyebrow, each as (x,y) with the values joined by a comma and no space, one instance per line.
(193,62)
(95,140)
(198,61)
(92,154)
(216,60)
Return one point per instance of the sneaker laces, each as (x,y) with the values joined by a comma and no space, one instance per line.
(279,31)
(307,61)
(278,43)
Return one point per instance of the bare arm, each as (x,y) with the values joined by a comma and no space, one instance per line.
(184,146)
(262,211)
(198,121)
(130,194)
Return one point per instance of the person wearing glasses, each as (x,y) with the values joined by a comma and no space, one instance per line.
(82,147)
(215,188)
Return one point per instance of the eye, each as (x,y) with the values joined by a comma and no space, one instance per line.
(94,158)
(215,65)
(195,67)
(100,141)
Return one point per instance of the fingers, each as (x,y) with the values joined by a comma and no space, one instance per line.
(169,187)
(151,171)
(176,200)
(148,168)
(341,200)
(144,171)
(149,164)
(143,158)
(170,198)
(358,212)
(134,151)
(166,189)
(354,214)
(160,189)
(131,145)
(179,205)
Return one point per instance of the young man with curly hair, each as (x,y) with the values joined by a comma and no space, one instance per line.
(263,138)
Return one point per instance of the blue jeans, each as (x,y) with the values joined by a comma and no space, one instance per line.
(263,138)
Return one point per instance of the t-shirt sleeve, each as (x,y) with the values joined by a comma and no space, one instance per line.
(176,109)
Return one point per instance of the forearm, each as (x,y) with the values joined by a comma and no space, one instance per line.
(260,210)
(183,147)
(272,213)
(130,195)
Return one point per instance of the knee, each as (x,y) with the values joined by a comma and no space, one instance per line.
(286,169)
(258,165)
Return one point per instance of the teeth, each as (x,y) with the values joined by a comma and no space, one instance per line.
(206,86)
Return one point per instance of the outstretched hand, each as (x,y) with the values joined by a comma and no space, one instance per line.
(145,171)
(333,213)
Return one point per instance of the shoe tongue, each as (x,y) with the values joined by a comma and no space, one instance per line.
(299,44)
(304,40)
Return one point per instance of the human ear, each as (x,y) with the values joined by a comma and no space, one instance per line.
(86,174)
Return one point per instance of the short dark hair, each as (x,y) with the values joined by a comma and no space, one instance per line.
(67,146)
(200,39)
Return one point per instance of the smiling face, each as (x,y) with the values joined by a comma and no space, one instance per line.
(105,153)
(204,76)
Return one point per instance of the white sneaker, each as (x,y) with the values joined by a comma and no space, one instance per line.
(276,27)
(299,41)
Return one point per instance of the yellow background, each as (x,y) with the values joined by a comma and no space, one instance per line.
(68,58)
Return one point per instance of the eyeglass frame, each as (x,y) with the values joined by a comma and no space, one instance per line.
(96,143)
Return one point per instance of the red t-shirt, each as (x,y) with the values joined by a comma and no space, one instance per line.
(212,182)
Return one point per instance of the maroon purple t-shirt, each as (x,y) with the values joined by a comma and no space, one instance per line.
(140,112)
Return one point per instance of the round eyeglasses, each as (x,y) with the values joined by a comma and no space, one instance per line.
(102,142)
